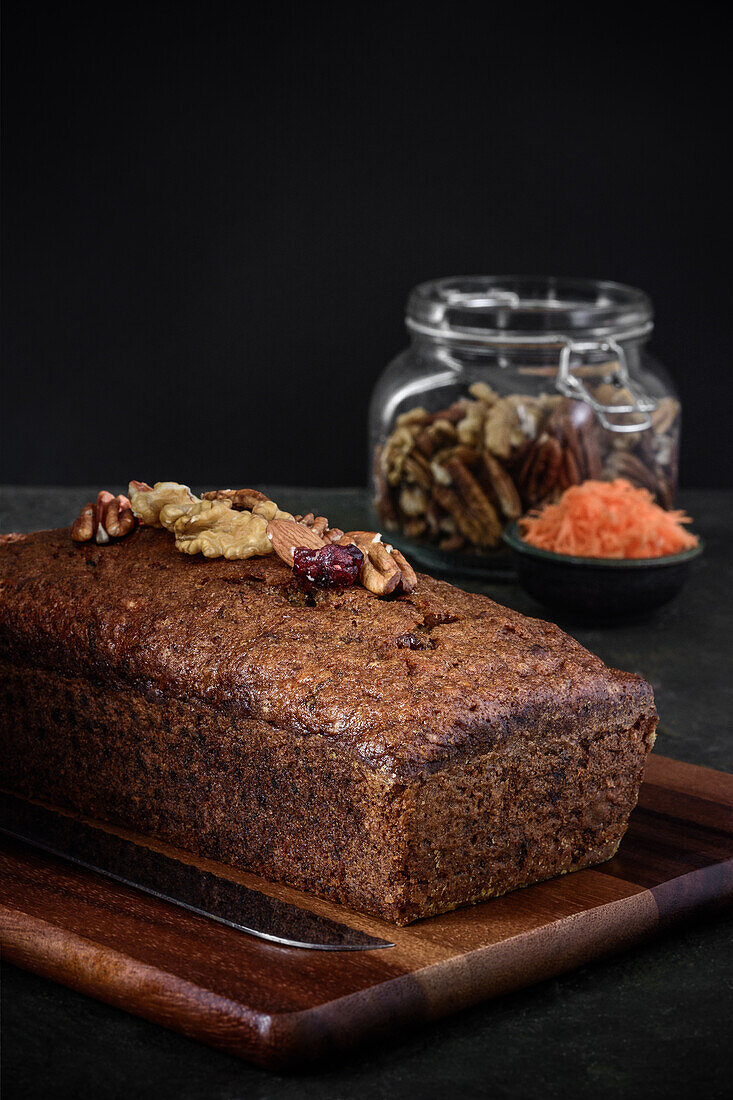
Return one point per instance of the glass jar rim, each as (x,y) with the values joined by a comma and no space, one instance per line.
(505,309)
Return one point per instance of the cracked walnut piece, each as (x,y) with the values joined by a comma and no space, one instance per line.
(240,499)
(215,526)
(161,505)
(107,517)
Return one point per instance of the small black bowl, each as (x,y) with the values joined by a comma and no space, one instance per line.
(599,589)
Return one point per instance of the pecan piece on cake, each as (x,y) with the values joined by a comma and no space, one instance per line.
(109,517)
(385,569)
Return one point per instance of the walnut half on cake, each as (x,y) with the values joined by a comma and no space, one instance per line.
(402,756)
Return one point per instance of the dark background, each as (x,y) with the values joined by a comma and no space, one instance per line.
(213,213)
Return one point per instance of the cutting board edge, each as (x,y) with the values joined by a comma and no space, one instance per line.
(131,985)
(292,1040)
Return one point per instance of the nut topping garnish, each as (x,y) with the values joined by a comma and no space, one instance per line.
(319,524)
(218,526)
(240,499)
(379,573)
(331,566)
(409,576)
(161,505)
(107,517)
(244,523)
(385,569)
(382,569)
(83,526)
(213,528)
(287,536)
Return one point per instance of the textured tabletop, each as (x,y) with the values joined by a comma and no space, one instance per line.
(653,1023)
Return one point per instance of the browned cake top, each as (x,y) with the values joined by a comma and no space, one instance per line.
(407,683)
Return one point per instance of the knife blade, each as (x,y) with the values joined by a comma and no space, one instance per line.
(179,883)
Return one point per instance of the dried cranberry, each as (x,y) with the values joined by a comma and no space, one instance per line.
(305,564)
(330,567)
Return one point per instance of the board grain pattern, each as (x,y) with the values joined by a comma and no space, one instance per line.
(285,1007)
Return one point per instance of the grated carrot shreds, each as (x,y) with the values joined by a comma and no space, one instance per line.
(607,519)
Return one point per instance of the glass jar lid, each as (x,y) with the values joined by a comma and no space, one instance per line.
(526,309)
(577,316)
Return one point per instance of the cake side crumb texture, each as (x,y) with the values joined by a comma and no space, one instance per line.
(243,638)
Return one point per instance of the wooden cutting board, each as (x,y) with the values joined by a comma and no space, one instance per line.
(284,1007)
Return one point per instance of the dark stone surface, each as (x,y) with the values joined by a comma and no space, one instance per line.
(653,1023)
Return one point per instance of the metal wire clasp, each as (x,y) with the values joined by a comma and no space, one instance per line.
(571,386)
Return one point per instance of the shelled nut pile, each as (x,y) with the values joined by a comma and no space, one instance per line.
(244,523)
(456,477)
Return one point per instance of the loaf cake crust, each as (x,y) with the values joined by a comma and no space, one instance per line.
(401,756)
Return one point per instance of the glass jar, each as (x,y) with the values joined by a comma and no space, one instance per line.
(512,389)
